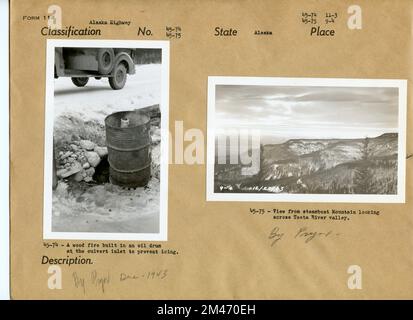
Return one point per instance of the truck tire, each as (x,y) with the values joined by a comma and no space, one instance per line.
(80,81)
(118,80)
(106,57)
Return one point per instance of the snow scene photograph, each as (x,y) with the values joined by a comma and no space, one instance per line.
(106,168)
(316,142)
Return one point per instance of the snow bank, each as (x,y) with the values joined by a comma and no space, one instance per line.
(97,99)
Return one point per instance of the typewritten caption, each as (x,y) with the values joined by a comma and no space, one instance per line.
(313,214)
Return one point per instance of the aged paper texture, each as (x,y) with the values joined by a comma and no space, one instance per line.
(326,215)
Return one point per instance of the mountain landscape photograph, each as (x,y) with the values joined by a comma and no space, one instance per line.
(312,140)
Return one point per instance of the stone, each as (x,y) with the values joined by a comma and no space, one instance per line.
(93,158)
(66,155)
(60,172)
(87,145)
(90,172)
(78,176)
(64,173)
(74,147)
(86,165)
(88,179)
(101,151)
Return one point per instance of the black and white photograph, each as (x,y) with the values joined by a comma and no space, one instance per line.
(326,140)
(106,155)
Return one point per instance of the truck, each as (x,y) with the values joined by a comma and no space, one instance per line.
(80,64)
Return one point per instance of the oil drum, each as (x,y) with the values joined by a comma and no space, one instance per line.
(128,141)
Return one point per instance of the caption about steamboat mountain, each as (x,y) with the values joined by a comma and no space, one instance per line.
(314,214)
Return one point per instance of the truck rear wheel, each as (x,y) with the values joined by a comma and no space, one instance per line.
(106,57)
(80,81)
(118,80)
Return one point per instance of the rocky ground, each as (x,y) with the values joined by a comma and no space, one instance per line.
(85,200)
(80,159)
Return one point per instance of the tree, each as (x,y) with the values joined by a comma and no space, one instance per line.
(362,175)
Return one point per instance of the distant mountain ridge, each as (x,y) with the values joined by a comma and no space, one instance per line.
(320,165)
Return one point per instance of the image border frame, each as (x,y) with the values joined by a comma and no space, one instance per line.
(48,234)
(213,81)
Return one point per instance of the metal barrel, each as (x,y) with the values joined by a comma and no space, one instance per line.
(128,141)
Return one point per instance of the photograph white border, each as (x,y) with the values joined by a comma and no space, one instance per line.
(48,149)
(213,81)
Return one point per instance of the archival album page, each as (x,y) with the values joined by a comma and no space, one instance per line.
(211,149)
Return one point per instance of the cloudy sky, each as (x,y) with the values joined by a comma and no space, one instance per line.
(285,112)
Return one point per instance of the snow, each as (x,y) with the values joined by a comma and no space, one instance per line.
(97,99)
(106,208)
(306,147)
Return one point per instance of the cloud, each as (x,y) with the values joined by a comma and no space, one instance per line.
(307,108)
